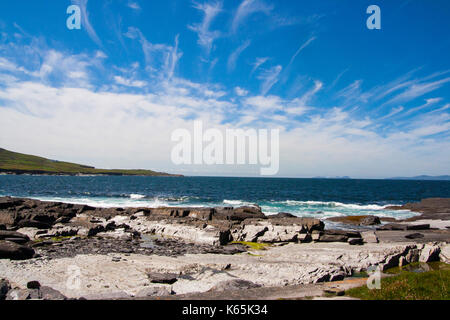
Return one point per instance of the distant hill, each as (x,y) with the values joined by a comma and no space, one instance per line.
(428,178)
(18,163)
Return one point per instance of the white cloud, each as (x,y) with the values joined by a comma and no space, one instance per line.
(258,63)
(129,82)
(246,9)
(206,37)
(269,78)
(86,24)
(134,5)
(234,56)
(240,92)
(302,47)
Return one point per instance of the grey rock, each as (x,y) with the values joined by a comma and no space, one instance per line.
(429,253)
(235,284)
(369,237)
(412,255)
(393,226)
(154,292)
(47,293)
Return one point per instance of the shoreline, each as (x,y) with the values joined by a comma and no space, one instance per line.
(199,251)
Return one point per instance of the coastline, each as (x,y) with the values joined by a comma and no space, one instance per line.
(202,250)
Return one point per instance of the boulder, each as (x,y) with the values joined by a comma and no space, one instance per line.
(418,227)
(429,253)
(304,237)
(164,278)
(47,293)
(238,214)
(444,256)
(281,234)
(369,221)
(412,255)
(355,241)
(369,237)
(19,237)
(14,251)
(393,226)
(251,233)
(281,215)
(347,233)
(4,288)
(235,284)
(154,292)
(414,236)
(333,238)
(22,294)
(33,285)
(30,223)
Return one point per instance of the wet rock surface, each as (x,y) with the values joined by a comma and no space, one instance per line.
(161,247)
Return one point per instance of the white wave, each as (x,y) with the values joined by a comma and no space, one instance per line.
(137,196)
(334,204)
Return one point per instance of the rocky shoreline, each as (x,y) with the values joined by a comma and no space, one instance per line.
(119,252)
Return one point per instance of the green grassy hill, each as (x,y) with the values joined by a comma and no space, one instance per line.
(18,163)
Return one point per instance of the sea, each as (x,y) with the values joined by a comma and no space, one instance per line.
(319,198)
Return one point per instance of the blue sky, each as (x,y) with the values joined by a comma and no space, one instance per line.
(349,100)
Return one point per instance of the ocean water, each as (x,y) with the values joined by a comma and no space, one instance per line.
(320,198)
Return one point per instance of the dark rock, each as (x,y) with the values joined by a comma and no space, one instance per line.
(236,284)
(347,233)
(355,241)
(8,202)
(94,230)
(281,215)
(393,226)
(4,288)
(238,214)
(333,238)
(14,251)
(418,227)
(33,285)
(164,278)
(33,224)
(370,221)
(414,236)
(304,237)
(13,235)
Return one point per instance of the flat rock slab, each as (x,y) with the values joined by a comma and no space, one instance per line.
(163,278)
(278,266)
(429,236)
